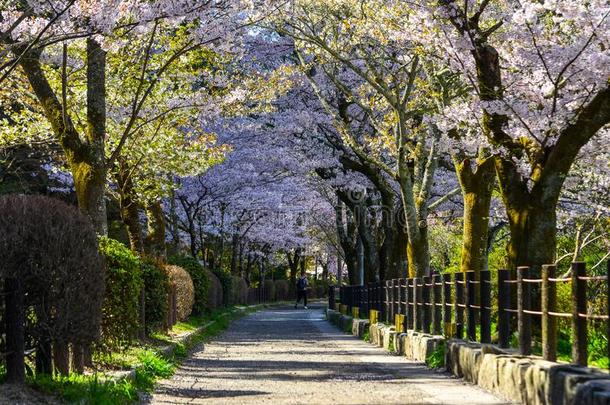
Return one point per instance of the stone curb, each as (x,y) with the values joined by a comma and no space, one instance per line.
(525,379)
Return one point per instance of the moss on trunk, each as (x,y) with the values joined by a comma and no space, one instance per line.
(477,187)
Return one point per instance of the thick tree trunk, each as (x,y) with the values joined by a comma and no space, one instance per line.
(155,239)
(346,231)
(477,187)
(418,250)
(393,253)
(248,269)
(173,221)
(418,253)
(533,236)
(129,208)
(293,265)
(85,157)
(44,355)
(91,183)
(371,252)
(61,358)
(78,358)
(532,216)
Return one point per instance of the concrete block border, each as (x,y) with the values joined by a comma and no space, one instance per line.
(525,379)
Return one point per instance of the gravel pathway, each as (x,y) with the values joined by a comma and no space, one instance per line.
(287,356)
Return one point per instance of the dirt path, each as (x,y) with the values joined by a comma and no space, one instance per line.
(287,356)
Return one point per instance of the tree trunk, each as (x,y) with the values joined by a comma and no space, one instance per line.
(44,355)
(477,187)
(371,251)
(61,358)
(129,207)
(418,253)
(346,231)
(173,220)
(155,239)
(533,236)
(234,253)
(85,157)
(91,183)
(532,216)
(78,358)
(293,265)
(393,253)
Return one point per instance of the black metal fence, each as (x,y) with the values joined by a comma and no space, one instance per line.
(460,306)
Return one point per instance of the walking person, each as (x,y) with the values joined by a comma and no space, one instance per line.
(301,290)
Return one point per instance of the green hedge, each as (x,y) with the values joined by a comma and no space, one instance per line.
(156,284)
(200,279)
(120,311)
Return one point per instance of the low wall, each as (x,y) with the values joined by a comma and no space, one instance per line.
(526,379)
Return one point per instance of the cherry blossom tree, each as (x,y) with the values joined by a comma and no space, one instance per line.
(539,72)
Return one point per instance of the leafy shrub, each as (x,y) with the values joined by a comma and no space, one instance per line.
(281,290)
(156,285)
(226,281)
(201,281)
(240,291)
(215,296)
(121,309)
(185,292)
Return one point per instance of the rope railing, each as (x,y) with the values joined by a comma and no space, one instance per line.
(459,306)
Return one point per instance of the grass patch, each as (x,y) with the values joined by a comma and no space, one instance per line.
(84,389)
(366,336)
(436,359)
(147,360)
(152,366)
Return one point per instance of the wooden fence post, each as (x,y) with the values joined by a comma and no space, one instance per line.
(524,322)
(404,303)
(549,322)
(459,301)
(397,296)
(409,297)
(503,305)
(447,308)
(390,284)
(417,304)
(485,285)
(471,321)
(426,304)
(436,304)
(579,313)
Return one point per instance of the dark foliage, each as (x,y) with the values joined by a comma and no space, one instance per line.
(52,248)
(53,275)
